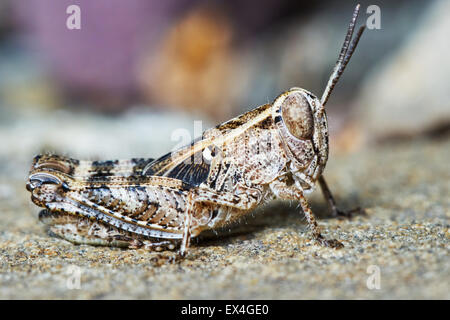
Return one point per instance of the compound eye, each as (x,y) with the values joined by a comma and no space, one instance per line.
(297,116)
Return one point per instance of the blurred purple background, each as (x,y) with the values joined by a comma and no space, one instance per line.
(101,56)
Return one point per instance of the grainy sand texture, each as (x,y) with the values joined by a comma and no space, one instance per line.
(402,244)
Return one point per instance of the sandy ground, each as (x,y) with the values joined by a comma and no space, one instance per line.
(403,242)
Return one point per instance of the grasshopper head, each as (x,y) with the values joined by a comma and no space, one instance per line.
(302,124)
(301,119)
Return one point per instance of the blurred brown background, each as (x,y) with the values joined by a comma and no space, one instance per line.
(148,67)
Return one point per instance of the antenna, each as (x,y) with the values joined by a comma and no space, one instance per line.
(345,55)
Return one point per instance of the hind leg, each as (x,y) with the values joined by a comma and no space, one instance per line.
(79,230)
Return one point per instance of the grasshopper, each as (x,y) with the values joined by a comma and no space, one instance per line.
(277,150)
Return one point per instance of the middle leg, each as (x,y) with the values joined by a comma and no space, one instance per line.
(335,211)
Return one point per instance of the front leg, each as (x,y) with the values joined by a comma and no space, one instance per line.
(282,191)
(335,212)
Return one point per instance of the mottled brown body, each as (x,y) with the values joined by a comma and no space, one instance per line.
(277,150)
(249,160)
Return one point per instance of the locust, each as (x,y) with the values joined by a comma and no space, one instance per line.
(275,151)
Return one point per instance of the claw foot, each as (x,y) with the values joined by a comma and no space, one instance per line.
(348,214)
(330,243)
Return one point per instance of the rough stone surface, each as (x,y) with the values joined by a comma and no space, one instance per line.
(404,188)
